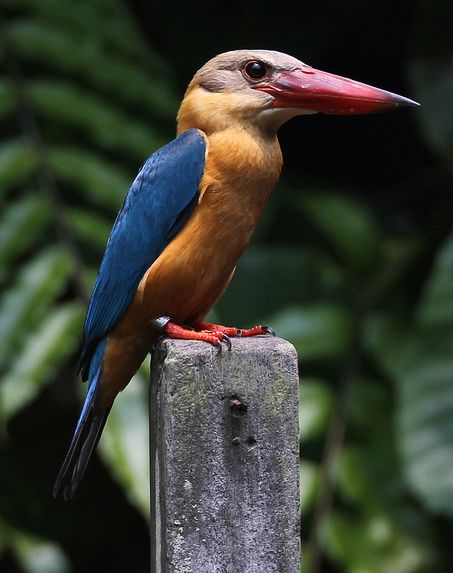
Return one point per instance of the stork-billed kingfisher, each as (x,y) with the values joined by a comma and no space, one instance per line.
(188,217)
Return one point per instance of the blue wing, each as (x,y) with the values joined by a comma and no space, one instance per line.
(156,207)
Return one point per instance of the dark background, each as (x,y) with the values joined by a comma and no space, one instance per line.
(353,263)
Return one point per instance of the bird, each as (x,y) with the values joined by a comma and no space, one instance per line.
(188,217)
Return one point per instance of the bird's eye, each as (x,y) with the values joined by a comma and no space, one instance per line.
(255,70)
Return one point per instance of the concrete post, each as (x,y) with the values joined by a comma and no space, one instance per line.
(224,458)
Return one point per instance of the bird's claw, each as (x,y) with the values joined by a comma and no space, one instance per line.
(216,338)
(255,331)
(268,330)
(227,340)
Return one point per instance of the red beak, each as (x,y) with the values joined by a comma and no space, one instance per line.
(312,89)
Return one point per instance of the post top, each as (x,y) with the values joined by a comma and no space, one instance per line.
(244,346)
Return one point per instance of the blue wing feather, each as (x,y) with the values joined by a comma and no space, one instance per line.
(156,207)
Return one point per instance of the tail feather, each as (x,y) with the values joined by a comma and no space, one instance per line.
(88,431)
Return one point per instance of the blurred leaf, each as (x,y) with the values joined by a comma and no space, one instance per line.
(373,544)
(125,442)
(39,282)
(316,404)
(426,419)
(351,229)
(119,31)
(369,404)
(309,485)
(369,470)
(90,228)
(386,338)
(317,331)
(353,477)
(7,101)
(63,50)
(21,225)
(269,279)
(5,537)
(426,392)
(107,125)
(39,556)
(46,350)
(436,307)
(96,179)
(17,161)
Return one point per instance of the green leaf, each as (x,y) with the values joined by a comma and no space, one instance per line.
(373,544)
(102,121)
(309,484)
(17,161)
(317,331)
(386,337)
(269,279)
(39,282)
(99,181)
(63,50)
(119,31)
(436,307)
(425,399)
(45,351)
(369,404)
(353,477)
(125,442)
(7,99)
(21,225)
(89,227)
(351,229)
(39,556)
(426,419)
(316,404)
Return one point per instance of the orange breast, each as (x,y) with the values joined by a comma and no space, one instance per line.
(195,268)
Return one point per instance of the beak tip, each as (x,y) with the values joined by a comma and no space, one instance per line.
(411,103)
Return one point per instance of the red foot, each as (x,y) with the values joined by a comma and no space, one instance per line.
(212,333)
(214,337)
(233,331)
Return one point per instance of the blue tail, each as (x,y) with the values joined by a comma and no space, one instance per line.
(88,431)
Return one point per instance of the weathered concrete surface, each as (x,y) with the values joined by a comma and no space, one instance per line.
(224,458)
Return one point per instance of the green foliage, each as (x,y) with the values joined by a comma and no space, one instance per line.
(351,230)
(17,162)
(425,391)
(317,402)
(21,225)
(316,330)
(373,544)
(55,339)
(96,90)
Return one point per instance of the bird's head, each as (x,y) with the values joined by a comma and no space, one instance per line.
(262,89)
